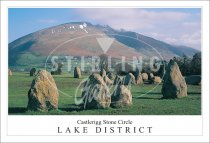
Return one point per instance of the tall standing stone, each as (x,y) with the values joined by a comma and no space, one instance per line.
(174,85)
(43,94)
(95,93)
(77,72)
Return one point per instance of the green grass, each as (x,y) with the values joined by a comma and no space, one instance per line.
(143,104)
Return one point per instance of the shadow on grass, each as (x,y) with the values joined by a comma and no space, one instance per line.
(60,76)
(152,84)
(70,108)
(13,110)
(69,77)
(149,93)
(156,98)
(191,93)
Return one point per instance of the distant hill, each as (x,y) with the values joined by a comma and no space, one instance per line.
(80,39)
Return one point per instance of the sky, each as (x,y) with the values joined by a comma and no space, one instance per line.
(177,26)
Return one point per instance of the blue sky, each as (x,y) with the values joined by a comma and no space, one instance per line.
(179,26)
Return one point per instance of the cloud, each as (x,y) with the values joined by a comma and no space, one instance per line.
(130,18)
(191,24)
(47,21)
(191,40)
(174,27)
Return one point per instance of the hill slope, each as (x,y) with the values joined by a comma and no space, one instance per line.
(80,39)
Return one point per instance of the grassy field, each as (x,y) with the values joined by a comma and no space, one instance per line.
(148,104)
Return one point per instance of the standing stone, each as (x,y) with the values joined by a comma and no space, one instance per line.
(144,76)
(137,73)
(9,72)
(174,85)
(138,77)
(57,71)
(139,80)
(121,97)
(103,73)
(43,94)
(156,80)
(32,72)
(77,72)
(129,79)
(96,93)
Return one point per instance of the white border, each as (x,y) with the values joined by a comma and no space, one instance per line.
(123,4)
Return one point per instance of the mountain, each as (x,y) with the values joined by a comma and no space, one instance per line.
(82,39)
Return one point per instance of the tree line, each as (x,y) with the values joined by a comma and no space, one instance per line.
(189,66)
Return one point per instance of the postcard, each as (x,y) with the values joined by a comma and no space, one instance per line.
(114,71)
